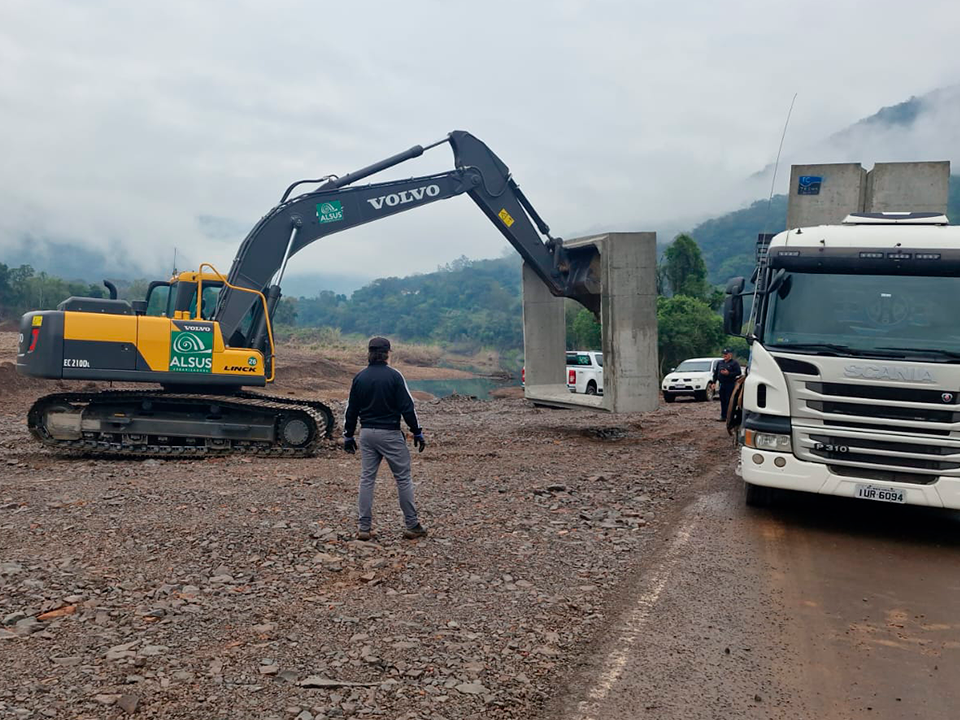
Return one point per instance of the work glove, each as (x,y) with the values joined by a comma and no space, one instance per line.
(350,445)
(419,442)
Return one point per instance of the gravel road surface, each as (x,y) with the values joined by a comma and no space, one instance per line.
(816,608)
(580,566)
(233,587)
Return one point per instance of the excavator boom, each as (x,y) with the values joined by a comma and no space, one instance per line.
(338,205)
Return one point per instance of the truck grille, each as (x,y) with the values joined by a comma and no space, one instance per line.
(852,448)
(881,428)
(882,408)
(883,392)
(910,433)
(882,452)
(884,411)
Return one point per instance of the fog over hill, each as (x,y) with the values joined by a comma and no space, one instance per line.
(924,127)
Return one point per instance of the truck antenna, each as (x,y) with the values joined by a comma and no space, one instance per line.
(174,260)
(766,219)
(776,164)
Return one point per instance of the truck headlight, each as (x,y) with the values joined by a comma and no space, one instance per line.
(767,441)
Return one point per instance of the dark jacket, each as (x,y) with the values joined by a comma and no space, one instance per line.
(378,397)
(733,368)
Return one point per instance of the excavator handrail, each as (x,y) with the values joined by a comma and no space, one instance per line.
(263,300)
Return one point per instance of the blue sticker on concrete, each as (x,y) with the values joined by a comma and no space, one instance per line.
(809,185)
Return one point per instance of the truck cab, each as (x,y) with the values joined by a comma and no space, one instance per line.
(853,387)
(585,372)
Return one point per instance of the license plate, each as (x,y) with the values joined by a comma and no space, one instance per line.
(679,387)
(872,492)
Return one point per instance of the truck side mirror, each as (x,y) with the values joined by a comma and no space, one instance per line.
(776,281)
(733,307)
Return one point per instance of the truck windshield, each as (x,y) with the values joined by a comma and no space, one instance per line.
(876,315)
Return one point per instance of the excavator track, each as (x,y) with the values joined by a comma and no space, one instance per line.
(111,422)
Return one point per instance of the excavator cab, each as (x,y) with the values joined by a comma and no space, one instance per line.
(179,295)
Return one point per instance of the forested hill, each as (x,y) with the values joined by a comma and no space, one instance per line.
(728,241)
(475,301)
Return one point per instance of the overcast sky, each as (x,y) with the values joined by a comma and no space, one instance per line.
(124,122)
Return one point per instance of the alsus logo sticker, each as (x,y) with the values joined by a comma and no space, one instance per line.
(191,352)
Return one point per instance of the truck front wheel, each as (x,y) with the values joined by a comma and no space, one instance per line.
(669,397)
(758,496)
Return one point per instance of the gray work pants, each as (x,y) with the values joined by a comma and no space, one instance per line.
(376,445)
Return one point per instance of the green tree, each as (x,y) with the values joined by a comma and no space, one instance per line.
(687,328)
(469,302)
(6,292)
(286,312)
(586,331)
(684,269)
(134,289)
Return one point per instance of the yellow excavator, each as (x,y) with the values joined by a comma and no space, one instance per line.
(204,337)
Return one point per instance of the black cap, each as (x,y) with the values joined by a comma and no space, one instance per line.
(378,343)
(725,350)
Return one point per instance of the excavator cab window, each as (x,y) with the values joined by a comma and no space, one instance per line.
(186,298)
(159,296)
(211,291)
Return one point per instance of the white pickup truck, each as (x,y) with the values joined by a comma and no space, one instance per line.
(693,377)
(585,372)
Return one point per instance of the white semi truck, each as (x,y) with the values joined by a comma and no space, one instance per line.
(853,386)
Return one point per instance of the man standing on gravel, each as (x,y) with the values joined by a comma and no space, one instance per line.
(379,396)
(727,372)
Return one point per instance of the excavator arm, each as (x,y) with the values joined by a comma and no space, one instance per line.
(338,205)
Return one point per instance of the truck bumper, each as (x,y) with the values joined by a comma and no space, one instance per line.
(811,477)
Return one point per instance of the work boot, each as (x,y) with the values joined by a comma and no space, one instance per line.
(364,535)
(417,531)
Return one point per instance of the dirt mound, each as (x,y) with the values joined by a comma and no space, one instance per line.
(514,391)
(456,400)
(8,373)
(417,356)
(320,369)
(10,380)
